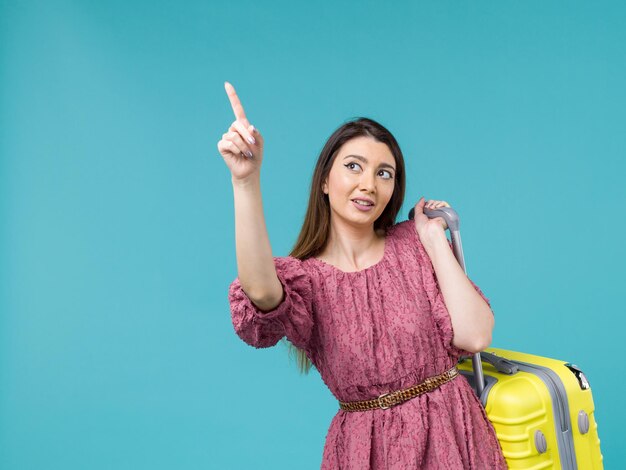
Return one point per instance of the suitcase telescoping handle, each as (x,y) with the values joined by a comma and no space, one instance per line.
(452,219)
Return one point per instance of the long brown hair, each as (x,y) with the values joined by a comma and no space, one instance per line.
(316,227)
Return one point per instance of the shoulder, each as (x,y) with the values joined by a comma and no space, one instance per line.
(405,237)
(292,272)
(291,267)
(288,263)
(403,230)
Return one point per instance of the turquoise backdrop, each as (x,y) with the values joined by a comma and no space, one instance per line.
(117,243)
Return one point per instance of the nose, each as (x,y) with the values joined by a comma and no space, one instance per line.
(367,182)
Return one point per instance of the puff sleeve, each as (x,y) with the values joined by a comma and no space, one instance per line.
(292,318)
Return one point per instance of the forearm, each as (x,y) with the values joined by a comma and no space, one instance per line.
(255,263)
(472,318)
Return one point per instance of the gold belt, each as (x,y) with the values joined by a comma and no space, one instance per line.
(389,399)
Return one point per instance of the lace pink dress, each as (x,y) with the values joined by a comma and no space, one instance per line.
(383,328)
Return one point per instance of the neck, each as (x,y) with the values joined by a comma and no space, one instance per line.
(352,246)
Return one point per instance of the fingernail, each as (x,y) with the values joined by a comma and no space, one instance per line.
(249,153)
(252,140)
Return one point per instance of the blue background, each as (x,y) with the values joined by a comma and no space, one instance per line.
(117,243)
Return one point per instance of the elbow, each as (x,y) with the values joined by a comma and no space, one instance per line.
(474,346)
(486,339)
(267,300)
(268,303)
(478,346)
(482,345)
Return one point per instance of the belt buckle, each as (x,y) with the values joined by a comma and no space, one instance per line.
(380,403)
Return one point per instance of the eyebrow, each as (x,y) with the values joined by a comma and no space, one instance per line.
(363,159)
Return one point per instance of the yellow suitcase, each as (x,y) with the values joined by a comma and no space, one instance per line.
(541,408)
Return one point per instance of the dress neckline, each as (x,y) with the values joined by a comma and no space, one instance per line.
(378,263)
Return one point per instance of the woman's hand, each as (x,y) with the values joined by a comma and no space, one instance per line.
(423,224)
(242,145)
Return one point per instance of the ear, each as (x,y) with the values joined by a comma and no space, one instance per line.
(325,186)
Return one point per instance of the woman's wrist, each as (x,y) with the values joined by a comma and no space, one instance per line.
(434,237)
(250,181)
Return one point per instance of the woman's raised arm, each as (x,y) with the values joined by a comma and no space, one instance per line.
(242,150)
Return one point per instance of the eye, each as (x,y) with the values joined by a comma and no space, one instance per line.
(347,165)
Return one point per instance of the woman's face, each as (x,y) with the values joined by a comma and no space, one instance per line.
(363,169)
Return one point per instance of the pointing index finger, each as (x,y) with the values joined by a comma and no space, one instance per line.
(235,103)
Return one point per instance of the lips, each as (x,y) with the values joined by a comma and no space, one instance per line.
(369,201)
(362,207)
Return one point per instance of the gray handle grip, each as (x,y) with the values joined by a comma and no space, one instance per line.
(452,219)
(502,365)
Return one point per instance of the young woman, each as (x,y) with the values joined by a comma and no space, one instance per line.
(376,306)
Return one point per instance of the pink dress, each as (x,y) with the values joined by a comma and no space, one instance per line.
(367,332)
